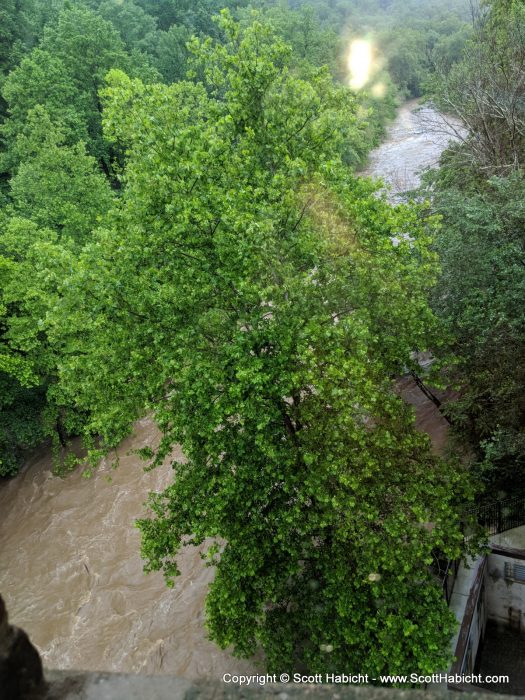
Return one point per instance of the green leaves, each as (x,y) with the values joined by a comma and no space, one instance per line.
(243,288)
(247,292)
(58,187)
(479,193)
(480,302)
(21,415)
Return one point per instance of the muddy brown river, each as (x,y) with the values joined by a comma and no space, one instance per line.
(70,569)
(72,576)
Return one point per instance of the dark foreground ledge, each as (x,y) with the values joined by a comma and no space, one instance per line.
(68,685)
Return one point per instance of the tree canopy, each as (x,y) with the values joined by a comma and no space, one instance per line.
(247,291)
(201,251)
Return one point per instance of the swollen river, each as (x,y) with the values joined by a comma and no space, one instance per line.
(72,576)
(413,142)
(70,569)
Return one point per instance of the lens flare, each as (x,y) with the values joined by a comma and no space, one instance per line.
(360,63)
(378,91)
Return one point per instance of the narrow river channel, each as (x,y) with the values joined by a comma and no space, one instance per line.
(70,569)
(414,141)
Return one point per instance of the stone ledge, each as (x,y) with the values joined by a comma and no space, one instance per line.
(70,685)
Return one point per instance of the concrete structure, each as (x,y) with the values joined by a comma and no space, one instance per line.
(471,617)
(489,602)
(505,589)
(514,538)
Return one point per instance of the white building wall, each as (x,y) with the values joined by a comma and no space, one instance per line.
(505,599)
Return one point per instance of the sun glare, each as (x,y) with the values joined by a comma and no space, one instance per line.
(360,63)
(378,91)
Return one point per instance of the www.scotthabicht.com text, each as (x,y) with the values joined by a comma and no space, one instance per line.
(363,678)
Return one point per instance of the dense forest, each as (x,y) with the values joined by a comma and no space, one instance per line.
(184,234)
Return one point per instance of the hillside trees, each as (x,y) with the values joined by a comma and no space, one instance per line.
(479,192)
(55,200)
(137,28)
(486,89)
(480,299)
(195,14)
(15,32)
(63,74)
(247,292)
(57,186)
(41,79)
(172,54)
(410,37)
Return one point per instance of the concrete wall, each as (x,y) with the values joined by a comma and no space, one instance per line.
(505,599)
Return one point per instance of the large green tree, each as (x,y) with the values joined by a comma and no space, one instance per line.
(247,292)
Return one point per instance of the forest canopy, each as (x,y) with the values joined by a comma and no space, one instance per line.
(61,173)
(184,235)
